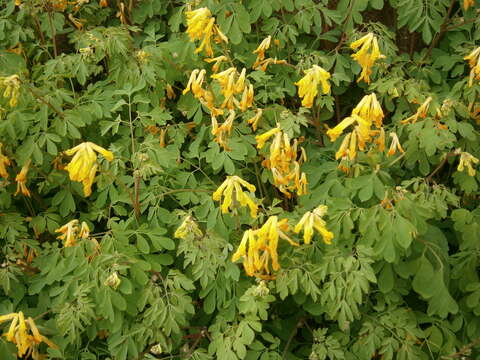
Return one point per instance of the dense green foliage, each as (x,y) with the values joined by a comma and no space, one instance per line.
(400,277)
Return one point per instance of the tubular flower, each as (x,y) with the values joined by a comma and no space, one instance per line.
(367,55)
(312,220)
(170,92)
(467,160)
(335,132)
(4,162)
(370,109)
(217,60)
(222,132)
(233,195)
(421,112)
(195,83)
(395,145)
(474,62)
(113,280)
(71,232)
(260,51)
(188,227)
(255,119)
(12,88)
(308,85)
(25,335)
(83,165)
(270,61)
(231,84)
(201,26)
(258,248)
(284,162)
(21,180)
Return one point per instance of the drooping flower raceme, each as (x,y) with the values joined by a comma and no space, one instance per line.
(71,232)
(188,227)
(258,248)
(312,220)
(25,335)
(12,88)
(308,85)
(201,26)
(83,165)
(233,195)
(368,54)
(21,180)
(4,162)
(468,161)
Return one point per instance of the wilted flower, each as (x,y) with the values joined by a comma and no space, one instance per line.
(260,50)
(308,85)
(83,165)
(312,220)
(71,232)
(170,92)
(21,180)
(222,132)
(255,119)
(367,55)
(232,193)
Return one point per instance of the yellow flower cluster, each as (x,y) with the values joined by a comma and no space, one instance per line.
(468,3)
(83,165)
(467,160)
(21,180)
(4,162)
(71,232)
(12,88)
(25,335)
(308,85)
(260,61)
(474,62)
(258,248)
(231,83)
(188,227)
(284,162)
(366,114)
(201,26)
(312,220)
(368,54)
(233,195)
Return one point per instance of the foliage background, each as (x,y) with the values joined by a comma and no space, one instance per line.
(398,282)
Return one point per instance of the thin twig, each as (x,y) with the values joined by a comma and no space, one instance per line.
(292,335)
(464,350)
(440,166)
(54,33)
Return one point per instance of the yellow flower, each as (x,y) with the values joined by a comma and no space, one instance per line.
(395,145)
(83,165)
(222,132)
(113,280)
(170,92)
(25,335)
(474,62)
(247,98)
(263,138)
(264,63)
(467,160)
(4,162)
(21,180)
(258,248)
(188,227)
(12,88)
(218,60)
(255,119)
(370,110)
(421,112)
(260,50)
(308,85)
(468,3)
(232,193)
(335,132)
(312,220)
(71,233)
(195,83)
(201,26)
(367,55)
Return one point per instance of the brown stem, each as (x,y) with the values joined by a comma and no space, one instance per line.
(443,30)
(337,108)
(42,99)
(440,166)
(290,338)
(464,350)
